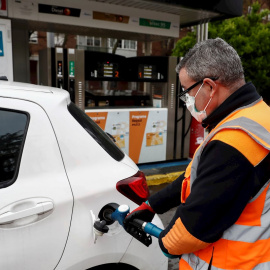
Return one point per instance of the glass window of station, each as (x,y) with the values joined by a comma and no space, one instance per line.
(123,44)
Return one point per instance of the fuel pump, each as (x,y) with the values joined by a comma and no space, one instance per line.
(52,71)
(156,76)
(71,73)
(59,61)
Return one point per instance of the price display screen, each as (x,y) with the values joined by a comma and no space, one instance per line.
(149,72)
(107,70)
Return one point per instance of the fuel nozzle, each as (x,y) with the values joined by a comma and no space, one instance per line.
(120,213)
(134,228)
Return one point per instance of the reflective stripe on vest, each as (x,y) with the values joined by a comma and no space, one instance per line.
(252,128)
(243,238)
(188,262)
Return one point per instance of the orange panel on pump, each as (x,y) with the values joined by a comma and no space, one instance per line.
(137,124)
(99,118)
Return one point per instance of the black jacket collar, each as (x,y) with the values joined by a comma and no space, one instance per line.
(242,97)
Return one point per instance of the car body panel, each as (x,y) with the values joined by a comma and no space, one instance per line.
(37,241)
(64,164)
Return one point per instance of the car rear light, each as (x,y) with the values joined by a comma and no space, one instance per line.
(135,188)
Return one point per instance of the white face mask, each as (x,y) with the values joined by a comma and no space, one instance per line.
(190,103)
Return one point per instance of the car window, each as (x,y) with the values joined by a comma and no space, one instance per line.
(96,132)
(12,134)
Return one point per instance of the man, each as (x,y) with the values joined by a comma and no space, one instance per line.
(222,219)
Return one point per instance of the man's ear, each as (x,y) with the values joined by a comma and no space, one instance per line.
(212,84)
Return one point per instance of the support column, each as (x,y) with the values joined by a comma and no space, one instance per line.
(20,48)
(206,31)
(147,48)
(50,40)
(198,34)
(147,52)
(202,31)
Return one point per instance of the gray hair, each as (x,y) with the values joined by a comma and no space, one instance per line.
(213,58)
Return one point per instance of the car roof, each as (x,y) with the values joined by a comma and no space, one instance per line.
(36,93)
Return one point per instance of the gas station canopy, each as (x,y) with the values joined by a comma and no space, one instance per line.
(190,12)
(124,19)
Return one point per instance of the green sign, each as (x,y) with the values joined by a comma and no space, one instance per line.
(71,69)
(1,44)
(155,23)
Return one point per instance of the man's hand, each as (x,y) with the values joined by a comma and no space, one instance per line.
(143,212)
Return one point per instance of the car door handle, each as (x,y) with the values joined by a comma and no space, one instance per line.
(38,209)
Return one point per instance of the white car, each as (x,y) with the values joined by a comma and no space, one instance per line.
(58,169)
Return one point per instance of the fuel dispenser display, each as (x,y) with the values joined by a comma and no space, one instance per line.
(106,82)
(106,70)
(150,75)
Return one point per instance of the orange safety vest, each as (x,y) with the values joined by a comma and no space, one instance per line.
(246,244)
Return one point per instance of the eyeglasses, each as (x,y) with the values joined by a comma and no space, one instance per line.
(182,95)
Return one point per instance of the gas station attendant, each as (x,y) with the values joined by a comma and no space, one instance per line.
(222,217)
